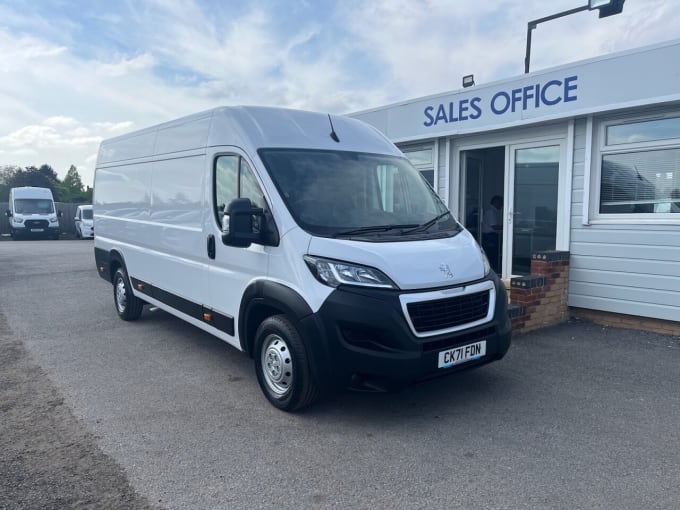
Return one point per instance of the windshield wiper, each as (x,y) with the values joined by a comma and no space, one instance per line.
(372,228)
(428,224)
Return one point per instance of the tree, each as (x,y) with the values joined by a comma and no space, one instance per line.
(7,174)
(73,188)
(31,176)
(72,181)
(48,172)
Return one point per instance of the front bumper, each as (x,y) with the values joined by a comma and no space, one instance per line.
(367,335)
(35,229)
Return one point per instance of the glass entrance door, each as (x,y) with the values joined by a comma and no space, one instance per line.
(533,210)
(482,178)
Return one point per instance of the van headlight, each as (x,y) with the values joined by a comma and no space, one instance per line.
(334,273)
(16,219)
(485,261)
(54,220)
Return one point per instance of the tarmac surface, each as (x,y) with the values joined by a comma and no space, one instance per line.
(99,413)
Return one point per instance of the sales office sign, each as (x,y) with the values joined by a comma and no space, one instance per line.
(521,99)
(597,85)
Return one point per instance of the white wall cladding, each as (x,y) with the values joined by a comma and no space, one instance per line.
(624,268)
(442,171)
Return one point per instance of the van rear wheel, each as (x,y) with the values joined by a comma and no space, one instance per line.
(128,306)
(282,365)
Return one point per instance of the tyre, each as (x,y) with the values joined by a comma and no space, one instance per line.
(128,306)
(282,365)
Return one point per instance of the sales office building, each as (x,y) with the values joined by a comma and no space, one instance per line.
(586,157)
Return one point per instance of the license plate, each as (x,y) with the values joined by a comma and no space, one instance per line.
(37,230)
(462,354)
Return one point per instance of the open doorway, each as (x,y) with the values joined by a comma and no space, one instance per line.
(483,172)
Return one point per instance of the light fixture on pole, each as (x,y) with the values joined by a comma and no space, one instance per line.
(606,8)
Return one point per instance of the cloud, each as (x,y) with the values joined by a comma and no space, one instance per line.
(38,138)
(122,66)
(60,121)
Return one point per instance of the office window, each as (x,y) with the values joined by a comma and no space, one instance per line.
(640,169)
(423,159)
(645,131)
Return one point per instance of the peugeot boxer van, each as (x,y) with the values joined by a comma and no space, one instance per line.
(306,240)
(32,213)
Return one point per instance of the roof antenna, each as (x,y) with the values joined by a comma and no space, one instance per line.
(334,135)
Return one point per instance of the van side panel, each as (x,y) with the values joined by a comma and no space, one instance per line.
(126,148)
(153,213)
(183,136)
(177,258)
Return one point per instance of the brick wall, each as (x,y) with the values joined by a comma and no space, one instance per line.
(540,300)
(543,294)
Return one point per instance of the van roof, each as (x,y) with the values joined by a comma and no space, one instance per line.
(31,192)
(247,127)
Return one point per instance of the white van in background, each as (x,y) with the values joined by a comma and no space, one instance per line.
(304,239)
(84,222)
(32,213)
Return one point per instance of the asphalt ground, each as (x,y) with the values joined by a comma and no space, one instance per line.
(100,413)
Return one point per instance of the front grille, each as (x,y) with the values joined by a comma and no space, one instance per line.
(441,314)
(36,223)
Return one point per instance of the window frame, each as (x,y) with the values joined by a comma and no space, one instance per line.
(423,167)
(251,167)
(601,149)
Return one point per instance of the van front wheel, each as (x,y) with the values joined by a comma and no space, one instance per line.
(128,306)
(282,365)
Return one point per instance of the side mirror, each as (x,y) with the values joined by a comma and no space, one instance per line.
(240,223)
(60,214)
(8,213)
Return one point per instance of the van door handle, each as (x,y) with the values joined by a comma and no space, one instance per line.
(211,246)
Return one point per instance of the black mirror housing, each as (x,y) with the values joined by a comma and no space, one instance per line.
(237,223)
(8,213)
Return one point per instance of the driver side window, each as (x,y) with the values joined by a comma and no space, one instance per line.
(234,179)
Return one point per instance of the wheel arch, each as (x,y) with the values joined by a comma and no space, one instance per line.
(263,299)
(108,263)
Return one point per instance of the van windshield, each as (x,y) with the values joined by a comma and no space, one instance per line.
(357,195)
(33,206)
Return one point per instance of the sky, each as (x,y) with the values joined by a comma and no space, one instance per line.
(74,72)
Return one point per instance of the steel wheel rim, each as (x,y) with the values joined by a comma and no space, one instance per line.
(121,295)
(277,365)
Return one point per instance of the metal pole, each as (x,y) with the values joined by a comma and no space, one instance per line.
(527,56)
(532,24)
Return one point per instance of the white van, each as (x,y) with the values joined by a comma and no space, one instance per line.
(32,213)
(304,239)
(84,222)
